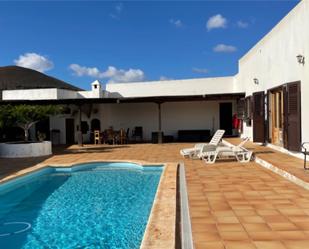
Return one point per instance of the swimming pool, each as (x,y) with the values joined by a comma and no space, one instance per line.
(97,205)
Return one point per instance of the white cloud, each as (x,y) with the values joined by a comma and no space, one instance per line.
(215,22)
(162,78)
(112,73)
(242,24)
(200,70)
(222,48)
(34,61)
(177,23)
(117,11)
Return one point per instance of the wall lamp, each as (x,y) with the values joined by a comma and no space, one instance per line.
(300,59)
(256,81)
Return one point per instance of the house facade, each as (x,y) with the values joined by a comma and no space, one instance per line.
(269,94)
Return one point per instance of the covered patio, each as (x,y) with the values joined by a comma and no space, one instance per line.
(162,119)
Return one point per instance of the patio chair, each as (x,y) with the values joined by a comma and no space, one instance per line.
(97,137)
(238,151)
(138,133)
(111,138)
(122,136)
(193,152)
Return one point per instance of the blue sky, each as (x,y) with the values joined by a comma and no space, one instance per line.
(79,42)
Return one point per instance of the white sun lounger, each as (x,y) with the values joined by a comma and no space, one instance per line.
(195,151)
(239,152)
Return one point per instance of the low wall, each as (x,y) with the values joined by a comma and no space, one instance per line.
(14,150)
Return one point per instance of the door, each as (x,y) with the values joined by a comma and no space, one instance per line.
(69,131)
(276,117)
(292,117)
(259,117)
(226,116)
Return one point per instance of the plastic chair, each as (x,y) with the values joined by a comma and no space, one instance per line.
(97,137)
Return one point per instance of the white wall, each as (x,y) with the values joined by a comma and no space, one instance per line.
(38,94)
(29,94)
(273,60)
(176,87)
(49,93)
(58,123)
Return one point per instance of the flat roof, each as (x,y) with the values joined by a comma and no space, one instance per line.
(159,99)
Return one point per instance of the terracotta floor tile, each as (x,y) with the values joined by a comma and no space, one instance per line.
(202,227)
(251,219)
(302,225)
(245,212)
(301,244)
(264,236)
(233,227)
(198,213)
(209,245)
(292,235)
(293,211)
(237,236)
(227,219)
(258,227)
(204,237)
(275,218)
(239,245)
(269,245)
(266,212)
(224,213)
(204,220)
(283,226)
(298,218)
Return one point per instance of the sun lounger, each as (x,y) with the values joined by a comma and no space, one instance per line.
(239,152)
(195,151)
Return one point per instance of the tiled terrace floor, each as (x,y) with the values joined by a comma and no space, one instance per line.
(293,165)
(232,205)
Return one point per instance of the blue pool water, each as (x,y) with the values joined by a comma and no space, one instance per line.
(102,205)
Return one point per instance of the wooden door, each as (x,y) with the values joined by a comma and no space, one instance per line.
(69,131)
(226,116)
(259,117)
(276,110)
(292,116)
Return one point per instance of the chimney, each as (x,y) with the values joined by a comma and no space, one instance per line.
(96,89)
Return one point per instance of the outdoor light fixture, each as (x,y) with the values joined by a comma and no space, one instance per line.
(256,81)
(300,59)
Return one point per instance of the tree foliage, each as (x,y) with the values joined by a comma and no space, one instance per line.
(24,116)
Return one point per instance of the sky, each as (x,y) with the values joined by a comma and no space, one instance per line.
(129,41)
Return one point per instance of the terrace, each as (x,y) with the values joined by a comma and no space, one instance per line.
(232,205)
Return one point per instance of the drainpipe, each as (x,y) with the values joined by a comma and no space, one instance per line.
(79,126)
(160,137)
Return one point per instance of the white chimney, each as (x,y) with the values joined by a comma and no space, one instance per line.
(96,89)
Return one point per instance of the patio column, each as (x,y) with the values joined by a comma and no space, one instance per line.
(79,125)
(160,137)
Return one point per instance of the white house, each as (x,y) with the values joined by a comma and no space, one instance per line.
(269,93)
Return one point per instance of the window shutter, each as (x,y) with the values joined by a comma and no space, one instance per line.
(293,119)
(241,108)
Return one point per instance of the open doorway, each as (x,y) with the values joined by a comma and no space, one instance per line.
(226,115)
(276,118)
(69,131)
(284,116)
